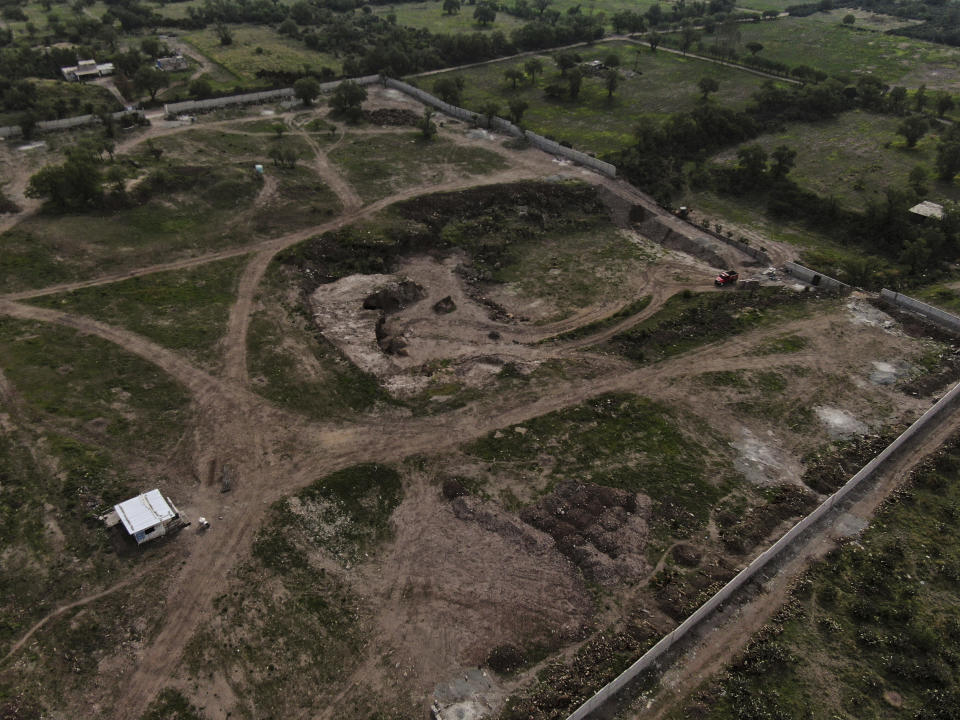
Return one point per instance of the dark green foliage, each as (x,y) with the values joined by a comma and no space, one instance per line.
(170,704)
(347,101)
(75,186)
(686,323)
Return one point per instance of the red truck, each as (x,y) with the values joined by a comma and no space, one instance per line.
(727,277)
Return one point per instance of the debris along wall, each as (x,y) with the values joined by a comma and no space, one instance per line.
(936,415)
(934,315)
(812,277)
(505,126)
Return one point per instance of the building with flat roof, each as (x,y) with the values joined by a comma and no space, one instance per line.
(147,516)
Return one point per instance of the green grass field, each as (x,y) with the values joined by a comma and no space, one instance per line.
(379,165)
(834,48)
(430,16)
(242,59)
(666,83)
(855,157)
(183,310)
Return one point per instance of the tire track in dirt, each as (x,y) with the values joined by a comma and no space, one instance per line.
(331,176)
(64,608)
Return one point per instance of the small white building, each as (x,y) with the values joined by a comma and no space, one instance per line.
(148,516)
(85,69)
(928,209)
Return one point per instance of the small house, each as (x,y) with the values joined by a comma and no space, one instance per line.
(86,69)
(172,63)
(148,516)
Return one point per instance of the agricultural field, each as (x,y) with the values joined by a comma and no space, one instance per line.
(835,48)
(855,158)
(430,16)
(654,84)
(471,425)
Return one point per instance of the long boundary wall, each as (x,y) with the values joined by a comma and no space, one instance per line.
(815,278)
(505,126)
(934,315)
(11,131)
(649,659)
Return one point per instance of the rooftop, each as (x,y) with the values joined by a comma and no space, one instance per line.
(928,209)
(144,511)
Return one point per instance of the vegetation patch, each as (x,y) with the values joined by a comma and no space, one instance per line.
(685,323)
(381,164)
(618,441)
(184,310)
(782,345)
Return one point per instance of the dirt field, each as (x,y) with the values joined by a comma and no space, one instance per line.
(478,440)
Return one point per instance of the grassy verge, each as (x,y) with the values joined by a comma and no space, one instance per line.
(184,310)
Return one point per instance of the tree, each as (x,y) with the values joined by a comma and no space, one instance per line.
(565,61)
(849,19)
(948,158)
(451,7)
(944,104)
(223,32)
(920,98)
(76,185)
(514,75)
(307,89)
(897,100)
(150,80)
(533,67)
(541,5)
(448,89)
(752,162)
(485,13)
(913,128)
(611,79)
(612,60)
(201,88)
(575,78)
(347,100)
(688,36)
(708,85)
(289,28)
(428,128)
(784,159)
(653,40)
(154,150)
(517,108)
(754,48)
(279,128)
(490,110)
(918,181)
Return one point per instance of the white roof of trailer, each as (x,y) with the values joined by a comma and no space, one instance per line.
(144,511)
(928,209)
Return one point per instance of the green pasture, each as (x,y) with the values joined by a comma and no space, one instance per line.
(835,48)
(855,158)
(277,52)
(652,83)
(430,16)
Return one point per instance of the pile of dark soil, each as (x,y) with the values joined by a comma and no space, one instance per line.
(395,117)
(589,524)
(755,525)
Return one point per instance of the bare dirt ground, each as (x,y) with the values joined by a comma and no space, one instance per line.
(442,599)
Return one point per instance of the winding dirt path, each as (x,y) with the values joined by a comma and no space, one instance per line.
(15,648)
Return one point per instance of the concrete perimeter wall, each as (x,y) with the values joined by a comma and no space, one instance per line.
(907,441)
(934,315)
(812,277)
(504,126)
(65,123)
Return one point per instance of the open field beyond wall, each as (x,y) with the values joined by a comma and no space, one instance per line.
(653,84)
